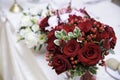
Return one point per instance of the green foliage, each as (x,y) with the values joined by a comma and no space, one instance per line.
(111,51)
(101,42)
(61,35)
(72,73)
(24,14)
(80,70)
(57,42)
(40,46)
(71,35)
(93,69)
(77,32)
(33,21)
(20,38)
(58,34)
(23,27)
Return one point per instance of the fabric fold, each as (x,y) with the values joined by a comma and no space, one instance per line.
(18,62)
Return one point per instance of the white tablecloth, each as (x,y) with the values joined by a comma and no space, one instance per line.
(20,63)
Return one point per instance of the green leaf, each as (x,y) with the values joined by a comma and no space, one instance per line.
(93,69)
(103,53)
(111,51)
(101,42)
(20,38)
(65,38)
(24,14)
(58,34)
(40,46)
(57,42)
(77,32)
(23,27)
(63,33)
(72,72)
(71,35)
(35,47)
(33,21)
(80,70)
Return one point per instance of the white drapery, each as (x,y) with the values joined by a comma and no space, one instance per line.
(18,62)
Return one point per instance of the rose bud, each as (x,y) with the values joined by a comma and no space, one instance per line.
(72,58)
(75,61)
(89,37)
(80,38)
(94,36)
(101,28)
(74,66)
(95,23)
(83,34)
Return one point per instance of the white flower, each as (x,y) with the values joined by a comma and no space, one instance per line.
(23,32)
(53,21)
(31,40)
(26,21)
(35,11)
(35,28)
(42,38)
(77,13)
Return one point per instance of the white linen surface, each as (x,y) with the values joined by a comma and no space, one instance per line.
(18,61)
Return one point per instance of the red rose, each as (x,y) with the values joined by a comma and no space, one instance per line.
(60,26)
(67,28)
(102,35)
(112,37)
(53,48)
(90,54)
(73,19)
(71,48)
(106,44)
(51,36)
(60,64)
(86,25)
(110,31)
(44,23)
(113,42)
(109,37)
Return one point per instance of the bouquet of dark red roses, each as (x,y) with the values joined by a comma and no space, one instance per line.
(78,44)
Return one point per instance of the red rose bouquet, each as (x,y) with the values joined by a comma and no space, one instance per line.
(79,44)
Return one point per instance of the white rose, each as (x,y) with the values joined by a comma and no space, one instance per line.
(31,40)
(23,32)
(35,28)
(26,21)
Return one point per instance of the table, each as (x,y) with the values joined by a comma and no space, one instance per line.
(36,67)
